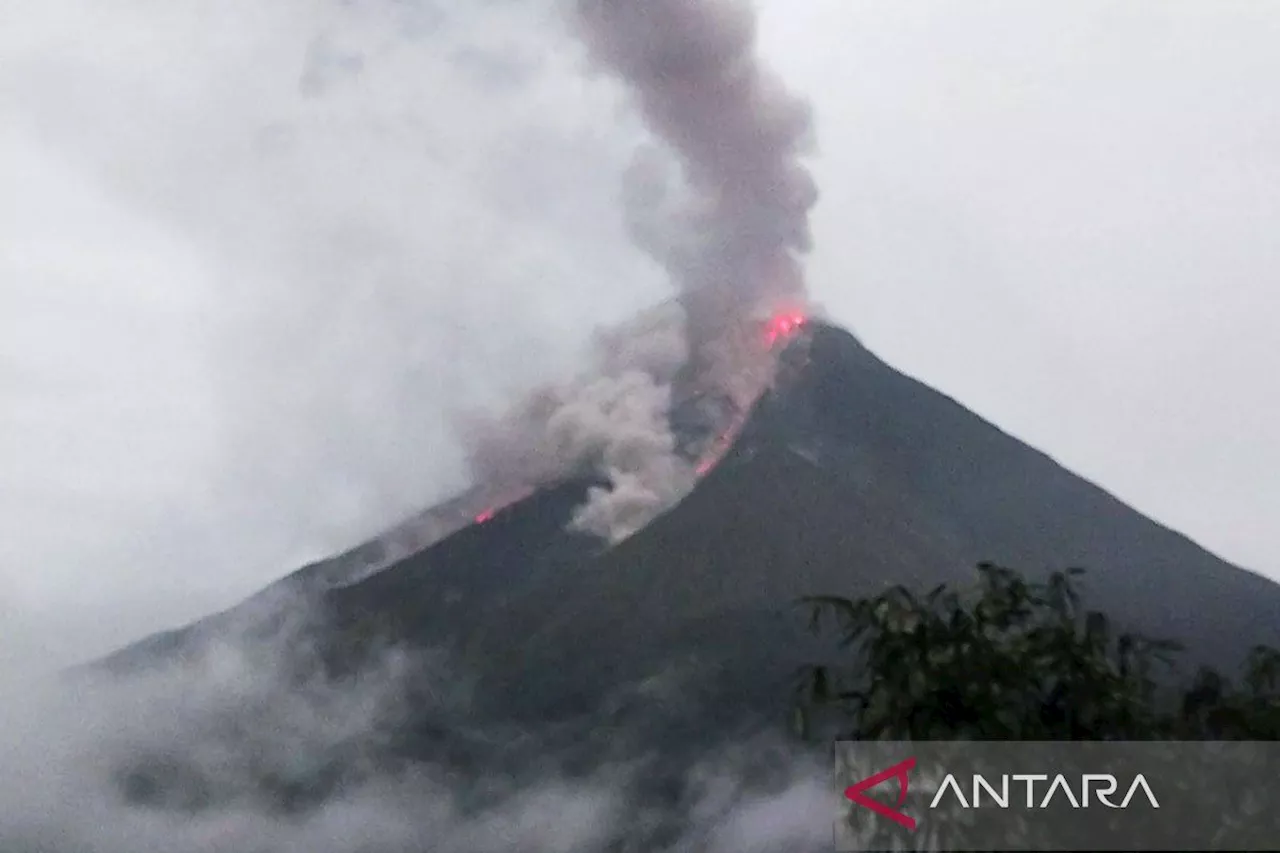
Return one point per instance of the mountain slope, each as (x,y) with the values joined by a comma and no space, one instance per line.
(852,478)
(847,477)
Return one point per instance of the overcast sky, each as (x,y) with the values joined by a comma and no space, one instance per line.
(255,258)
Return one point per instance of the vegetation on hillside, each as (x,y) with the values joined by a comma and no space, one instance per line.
(1013,659)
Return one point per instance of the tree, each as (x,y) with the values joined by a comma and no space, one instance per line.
(1012,659)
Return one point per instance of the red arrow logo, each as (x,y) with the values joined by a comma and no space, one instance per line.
(854,793)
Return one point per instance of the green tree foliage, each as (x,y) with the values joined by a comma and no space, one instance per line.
(1011,659)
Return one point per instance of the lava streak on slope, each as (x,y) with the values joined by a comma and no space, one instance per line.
(482,503)
(779,329)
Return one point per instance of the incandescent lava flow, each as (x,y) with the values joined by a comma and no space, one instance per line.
(781,328)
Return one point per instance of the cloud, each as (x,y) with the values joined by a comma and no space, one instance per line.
(256,259)
(242,746)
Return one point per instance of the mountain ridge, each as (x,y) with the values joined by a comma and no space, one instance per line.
(847,477)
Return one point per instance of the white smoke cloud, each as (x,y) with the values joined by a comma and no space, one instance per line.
(628,420)
(613,419)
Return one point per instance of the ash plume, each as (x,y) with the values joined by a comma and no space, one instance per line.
(738,136)
(729,236)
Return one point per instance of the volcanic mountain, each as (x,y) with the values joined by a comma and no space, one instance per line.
(846,477)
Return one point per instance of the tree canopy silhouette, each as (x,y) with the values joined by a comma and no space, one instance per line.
(1013,659)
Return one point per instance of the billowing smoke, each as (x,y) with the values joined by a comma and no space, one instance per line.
(625,394)
(614,419)
(729,234)
(737,134)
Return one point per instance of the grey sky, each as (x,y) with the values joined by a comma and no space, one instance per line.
(255,259)
(1063,215)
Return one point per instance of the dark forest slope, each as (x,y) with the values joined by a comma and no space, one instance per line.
(849,476)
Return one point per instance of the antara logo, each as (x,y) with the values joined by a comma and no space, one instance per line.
(1101,786)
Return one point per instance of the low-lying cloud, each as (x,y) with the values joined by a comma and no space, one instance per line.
(248,747)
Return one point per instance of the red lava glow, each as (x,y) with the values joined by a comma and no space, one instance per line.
(484,516)
(781,326)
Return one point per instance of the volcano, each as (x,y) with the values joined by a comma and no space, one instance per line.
(843,478)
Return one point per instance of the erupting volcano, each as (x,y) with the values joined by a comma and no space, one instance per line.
(653,520)
(843,476)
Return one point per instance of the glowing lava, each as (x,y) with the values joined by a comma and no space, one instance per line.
(720,445)
(781,326)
